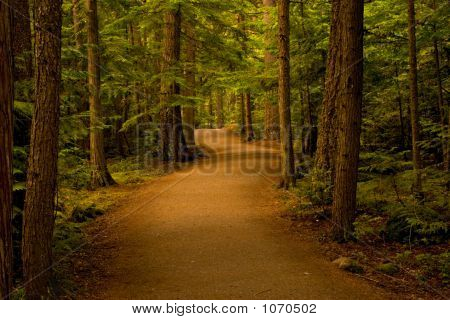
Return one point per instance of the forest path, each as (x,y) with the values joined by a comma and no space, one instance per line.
(213,231)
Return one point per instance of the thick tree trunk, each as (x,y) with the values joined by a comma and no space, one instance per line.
(248,118)
(326,143)
(271,117)
(38,220)
(284,97)
(22,48)
(189,111)
(171,131)
(413,92)
(219,109)
(100,175)
(349,104)
(6,147)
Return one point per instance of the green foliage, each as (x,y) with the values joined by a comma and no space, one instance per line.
(367,227)
(319,187)
(74,170)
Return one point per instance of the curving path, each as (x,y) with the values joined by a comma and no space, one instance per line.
(213,231)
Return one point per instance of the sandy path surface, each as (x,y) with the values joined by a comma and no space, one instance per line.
(213,231)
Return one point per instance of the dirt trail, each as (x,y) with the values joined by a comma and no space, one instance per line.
(213,231)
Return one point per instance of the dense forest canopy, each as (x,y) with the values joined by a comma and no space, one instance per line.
(355,91)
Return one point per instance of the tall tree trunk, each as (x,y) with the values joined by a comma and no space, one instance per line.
(414,99)
(189,111)
(38,220)
(6,147)
(284,97)
(349,104)
(77,26)
(271,117)
(172,138)
(22,48)
(326,142)
(219,109)
(248,118)
(100,175)
(81,65)
(311,142)
(440,97)
(400,110)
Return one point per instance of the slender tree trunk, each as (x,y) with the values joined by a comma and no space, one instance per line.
(248,118)
(308,103)
(210,110)
(440,101)
(77,25)
(172,138)
(22,49)
(189,111)
(271,117)
(38,220)
(81,66)
(121,137)
(6,147)
(100,175)
(326,143)
(349,103)
(242,113)
(284,97)
(414,99)
(400,110)
(440,97)
(219,109)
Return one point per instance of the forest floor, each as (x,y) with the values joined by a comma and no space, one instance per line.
(212,230)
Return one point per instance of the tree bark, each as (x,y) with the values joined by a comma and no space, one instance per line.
(271,117)
(77,25)
(326,143)
(400,111)
(349,104)
(210,111)
(242,113)
(414,99)
(100,175)
(38,220)
(171,131)
(284,97)
(6,150)
(219,109)
(22,47)
(248,118)
(189,111)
